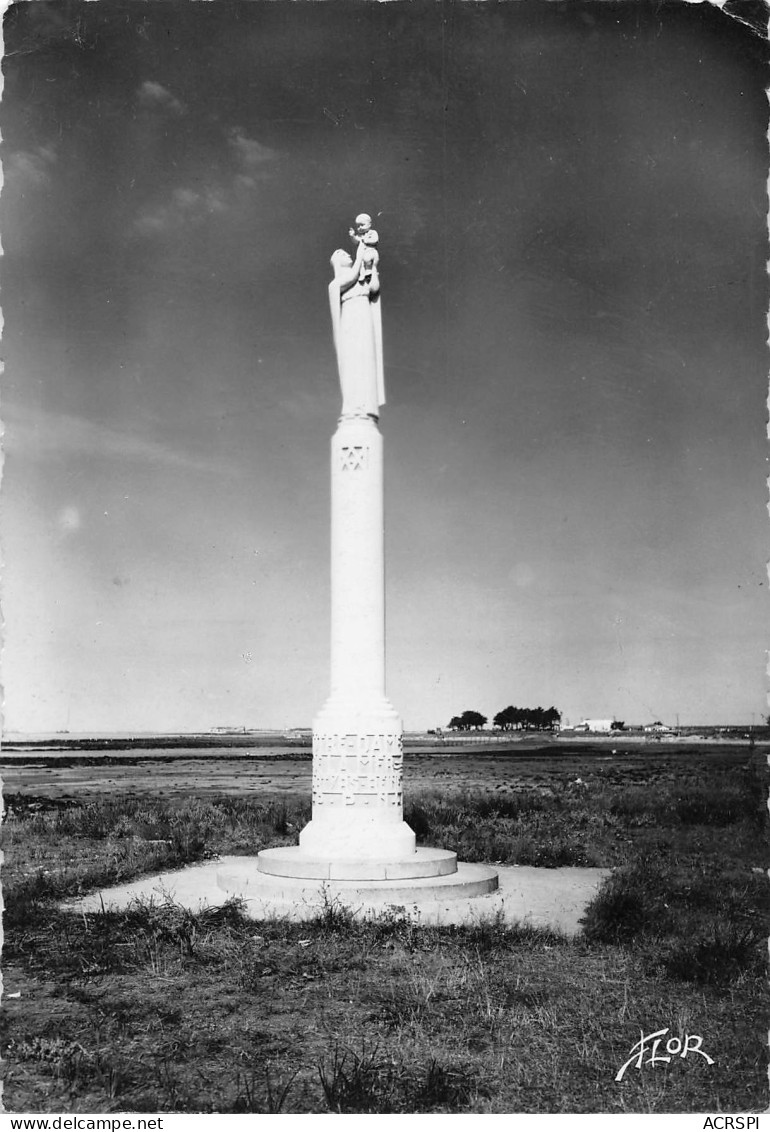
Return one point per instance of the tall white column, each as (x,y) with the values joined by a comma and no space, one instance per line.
(357,735)
(357,830)
(357,833)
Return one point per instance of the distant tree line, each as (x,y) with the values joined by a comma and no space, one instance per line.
(509,719)
(527,719)
(468,721)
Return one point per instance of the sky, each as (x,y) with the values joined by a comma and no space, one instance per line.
(571,202)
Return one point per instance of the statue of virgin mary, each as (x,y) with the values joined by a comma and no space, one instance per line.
(354,297)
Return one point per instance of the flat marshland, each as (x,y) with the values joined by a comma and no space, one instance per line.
(158,1009)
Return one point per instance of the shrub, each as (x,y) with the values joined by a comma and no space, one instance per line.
(395,924)
(514,805)
(442,1087)
(711,807)
(720,957)
(334,916)
(629,903)
(252,1098)
(357,1082)
(366,1083)
(562,852)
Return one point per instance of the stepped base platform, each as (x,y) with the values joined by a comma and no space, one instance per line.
(243,877)
(290,861)
(554,899)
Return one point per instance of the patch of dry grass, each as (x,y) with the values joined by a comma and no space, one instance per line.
(160,1009)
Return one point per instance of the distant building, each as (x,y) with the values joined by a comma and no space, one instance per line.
(600,726)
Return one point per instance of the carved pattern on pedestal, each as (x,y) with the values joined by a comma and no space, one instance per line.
(363,770)
(354,457)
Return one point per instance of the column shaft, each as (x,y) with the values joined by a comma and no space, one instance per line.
(357,735)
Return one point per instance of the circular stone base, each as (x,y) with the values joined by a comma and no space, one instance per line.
(244,878)
(291,861)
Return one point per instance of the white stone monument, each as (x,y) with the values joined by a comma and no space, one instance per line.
(357,831)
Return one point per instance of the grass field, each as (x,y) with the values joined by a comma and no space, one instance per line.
(157,1009)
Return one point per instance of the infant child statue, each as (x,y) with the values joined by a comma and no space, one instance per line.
(367,238)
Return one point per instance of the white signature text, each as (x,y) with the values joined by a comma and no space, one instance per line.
(649,1044)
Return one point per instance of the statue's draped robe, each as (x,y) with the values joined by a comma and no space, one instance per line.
(357,329)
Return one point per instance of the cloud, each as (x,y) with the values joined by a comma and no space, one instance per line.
(153,94)
(251,153)
(186,205)
(30,167)
(204,202)
(39,435)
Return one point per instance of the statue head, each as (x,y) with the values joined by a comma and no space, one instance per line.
(363,223)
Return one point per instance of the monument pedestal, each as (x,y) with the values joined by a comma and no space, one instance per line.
(293,861)
(357,831)
(375,893)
